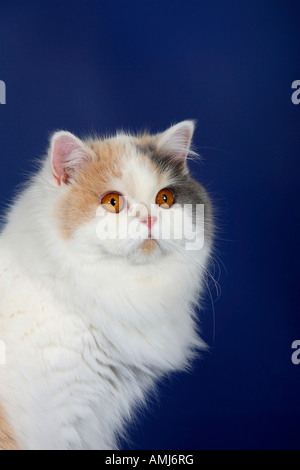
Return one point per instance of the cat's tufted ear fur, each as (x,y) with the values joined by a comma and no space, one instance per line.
(68,155)
(176,141)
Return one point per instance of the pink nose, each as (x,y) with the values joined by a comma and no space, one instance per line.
(150,221)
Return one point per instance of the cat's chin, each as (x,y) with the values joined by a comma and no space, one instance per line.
(149,247)
(148,251)
(138,251)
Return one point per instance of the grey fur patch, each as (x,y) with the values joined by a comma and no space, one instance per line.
(186,189)
(164,163)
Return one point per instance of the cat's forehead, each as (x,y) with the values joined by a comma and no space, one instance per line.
(127,166)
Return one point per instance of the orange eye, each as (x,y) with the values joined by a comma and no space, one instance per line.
(165,199)
(113,202)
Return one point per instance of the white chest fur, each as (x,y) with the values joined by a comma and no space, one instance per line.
(81,353)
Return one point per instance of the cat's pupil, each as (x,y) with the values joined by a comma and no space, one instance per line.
(113,202)
(165,198)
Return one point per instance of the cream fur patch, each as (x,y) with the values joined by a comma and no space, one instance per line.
(7,440)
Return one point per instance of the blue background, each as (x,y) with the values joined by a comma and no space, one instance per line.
(101,65)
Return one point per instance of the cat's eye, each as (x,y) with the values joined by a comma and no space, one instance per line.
(113,202)
(165,198)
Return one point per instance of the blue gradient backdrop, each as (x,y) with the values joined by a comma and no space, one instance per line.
(101,65)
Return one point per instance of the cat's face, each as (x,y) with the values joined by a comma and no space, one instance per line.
(127,196)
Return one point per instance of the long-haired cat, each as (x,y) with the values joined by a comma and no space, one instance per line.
(96,304)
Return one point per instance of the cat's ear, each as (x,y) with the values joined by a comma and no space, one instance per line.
(175,143)
(68,155)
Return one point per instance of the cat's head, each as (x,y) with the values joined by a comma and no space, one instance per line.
(129,196)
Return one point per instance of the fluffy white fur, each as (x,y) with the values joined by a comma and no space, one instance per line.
(87,331)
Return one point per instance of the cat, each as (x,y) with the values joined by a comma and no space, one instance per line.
(92,322)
